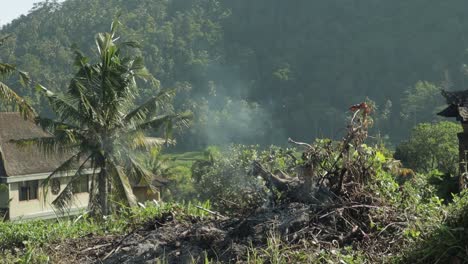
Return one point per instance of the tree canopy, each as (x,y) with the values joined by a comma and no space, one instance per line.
(299,65)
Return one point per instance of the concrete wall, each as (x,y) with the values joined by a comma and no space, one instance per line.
(42,208)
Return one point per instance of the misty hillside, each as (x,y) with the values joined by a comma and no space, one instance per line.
(250,66)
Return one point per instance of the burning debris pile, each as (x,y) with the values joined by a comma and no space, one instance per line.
(326,205)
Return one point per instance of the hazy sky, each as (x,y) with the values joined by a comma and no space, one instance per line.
(11,9)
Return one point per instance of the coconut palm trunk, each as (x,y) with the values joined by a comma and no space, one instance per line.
(103,194)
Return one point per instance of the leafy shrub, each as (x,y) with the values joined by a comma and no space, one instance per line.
(431,146)
(226,177)
(447,242)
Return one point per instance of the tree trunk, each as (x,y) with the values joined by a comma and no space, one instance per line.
(463,169)
(293,189)
(103,188)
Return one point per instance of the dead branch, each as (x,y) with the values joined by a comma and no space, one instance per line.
(209,211)
(301,144)
(96,247)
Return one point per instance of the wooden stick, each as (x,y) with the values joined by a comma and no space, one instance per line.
(209,211)
(302,144)
(96,247)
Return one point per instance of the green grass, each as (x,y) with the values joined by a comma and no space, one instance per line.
(277,251)
(30,237)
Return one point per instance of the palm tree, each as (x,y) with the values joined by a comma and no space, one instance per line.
(7,94)
(101,129)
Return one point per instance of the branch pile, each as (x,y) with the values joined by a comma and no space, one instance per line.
(325,206)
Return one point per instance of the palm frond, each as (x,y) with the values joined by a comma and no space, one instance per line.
(84,93)
(140,141)
(66,107)
(115,24)
(139,70)
(143,175)
(64,168)
(66,197)
(150,106)
(80,59)
(10,97)
(24,78)
(122,183)
(47,145)
(51,125)
(4,38)
(132,44)
(171,120)
(6,69)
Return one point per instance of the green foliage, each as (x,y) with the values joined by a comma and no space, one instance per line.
(295,62)
(40,232)
(178,39)
(277,251)
(8,96)
(431,146)
(23,242)
(422,102)
(176,168)
(445,242)
(253,71)
(430,228)
(445,184)
(99,122)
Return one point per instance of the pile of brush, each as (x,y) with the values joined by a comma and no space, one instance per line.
(332,181)
(325,205)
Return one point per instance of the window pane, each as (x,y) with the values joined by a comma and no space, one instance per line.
(81,185)
(23,193)
(84,184)
(33,186)
(28,190)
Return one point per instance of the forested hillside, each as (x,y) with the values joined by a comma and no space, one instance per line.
(262,71)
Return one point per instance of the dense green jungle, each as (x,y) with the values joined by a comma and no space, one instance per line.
(278,131)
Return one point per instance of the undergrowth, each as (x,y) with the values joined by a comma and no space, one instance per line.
(445,241)
(23,242)
(429,229)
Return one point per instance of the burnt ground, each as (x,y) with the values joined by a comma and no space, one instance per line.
(175,238)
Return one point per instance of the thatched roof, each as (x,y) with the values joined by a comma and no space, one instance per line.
(458,105)
(15,160)
(455,97)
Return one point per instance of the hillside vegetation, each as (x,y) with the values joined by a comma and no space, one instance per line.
(250,66)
